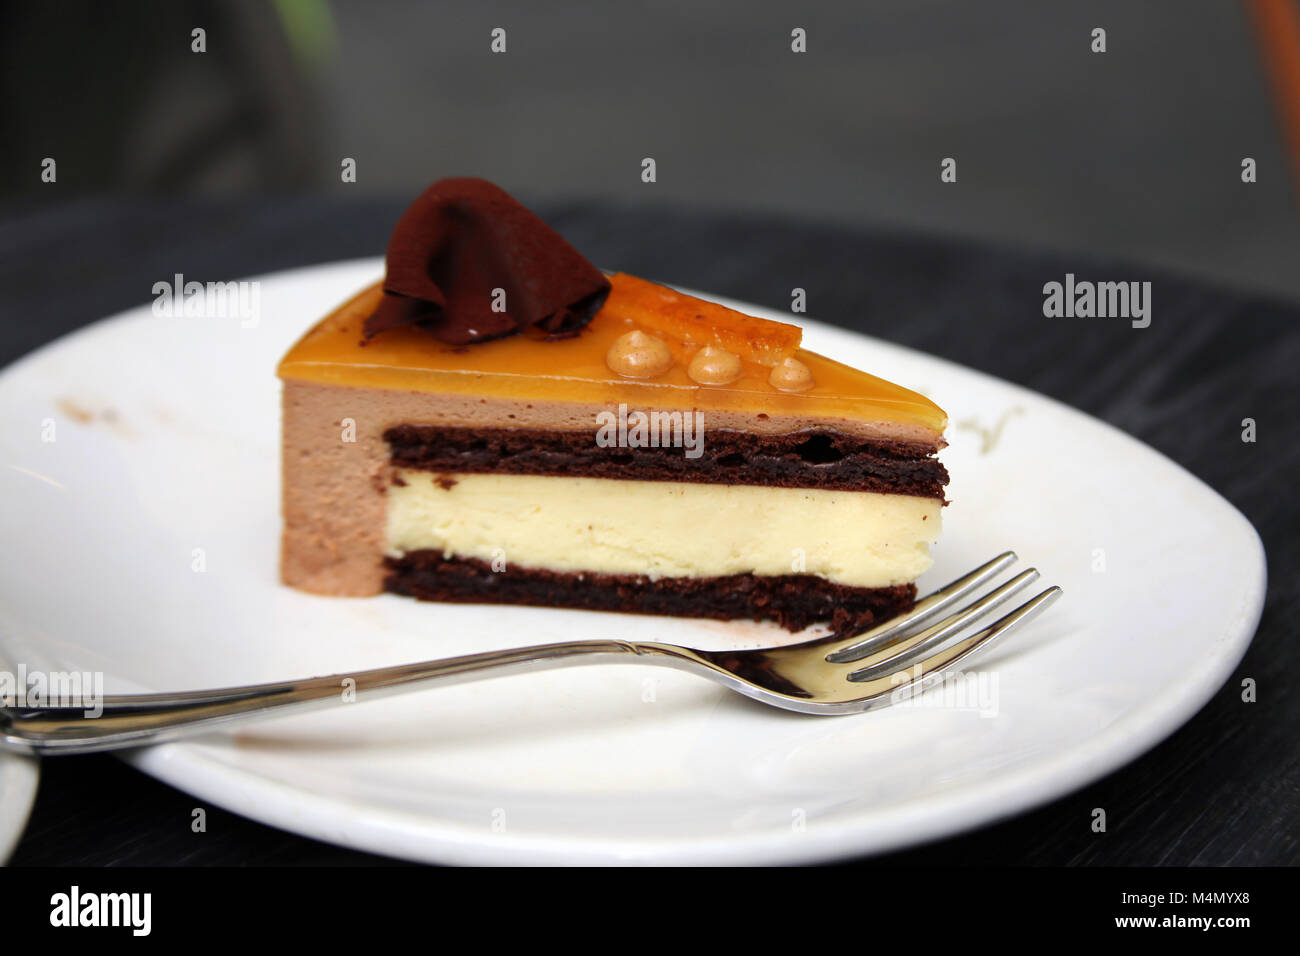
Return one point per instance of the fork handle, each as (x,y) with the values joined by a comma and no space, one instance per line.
(136,719)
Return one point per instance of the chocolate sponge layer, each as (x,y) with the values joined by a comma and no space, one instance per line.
(794,601)
(824,460)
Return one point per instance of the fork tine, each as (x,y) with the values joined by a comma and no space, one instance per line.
(897,628)
(902,653)
(925,673)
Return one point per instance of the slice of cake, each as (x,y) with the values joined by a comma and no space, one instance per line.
(499,422)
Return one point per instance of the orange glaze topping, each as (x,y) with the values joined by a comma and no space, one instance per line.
(529,367)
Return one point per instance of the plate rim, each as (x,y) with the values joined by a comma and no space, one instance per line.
(405,836)
(20,778)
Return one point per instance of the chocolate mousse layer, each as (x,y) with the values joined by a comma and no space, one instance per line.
(794,601)
(813,459)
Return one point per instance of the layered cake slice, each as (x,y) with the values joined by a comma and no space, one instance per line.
(500,422)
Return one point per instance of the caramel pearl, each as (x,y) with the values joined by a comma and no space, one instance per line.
(714,366)
(791,375)
(637,355)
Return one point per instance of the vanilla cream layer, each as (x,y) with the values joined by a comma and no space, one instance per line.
(663,529)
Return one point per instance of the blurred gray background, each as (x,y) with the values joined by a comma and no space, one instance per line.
(1134,153)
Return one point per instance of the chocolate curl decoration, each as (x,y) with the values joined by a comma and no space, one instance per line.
(464,238)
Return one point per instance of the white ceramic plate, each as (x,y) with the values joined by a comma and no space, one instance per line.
(165,452)
(18,776)
(18,779)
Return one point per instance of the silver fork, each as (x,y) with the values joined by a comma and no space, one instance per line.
(832,675)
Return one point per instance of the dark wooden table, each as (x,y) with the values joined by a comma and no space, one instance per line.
(1225,789)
